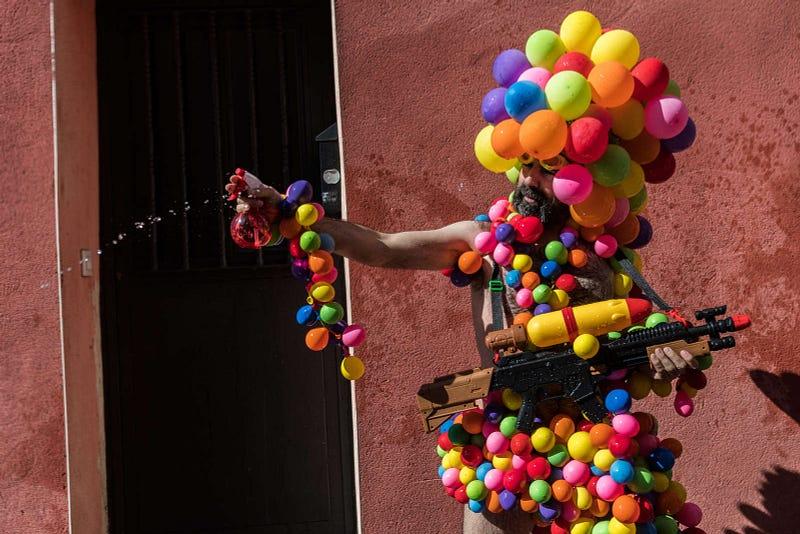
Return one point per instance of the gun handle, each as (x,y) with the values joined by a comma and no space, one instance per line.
(526,413)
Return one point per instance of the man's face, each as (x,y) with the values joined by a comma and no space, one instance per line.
(533,196)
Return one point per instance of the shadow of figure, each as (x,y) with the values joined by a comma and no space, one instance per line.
(783,390)
(779,501)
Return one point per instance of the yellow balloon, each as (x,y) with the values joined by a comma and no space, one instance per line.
(466,475)
(639,385)
(586,347)
(660,482)
(616,45)
(582,498)
(618,527)
(486,154)
(352,368)
(627,120)
(662,388)
(543,48)
(306,214)
(543,439)
(632,183)
(522,263)
(502,461)
(558,299)
(322,291)
(580,447)
(579,31)
(622,285)
(582,525)
(511,399)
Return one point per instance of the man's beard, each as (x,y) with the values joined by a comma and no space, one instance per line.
(549,211)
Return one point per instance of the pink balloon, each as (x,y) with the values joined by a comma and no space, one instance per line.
(625,424)
(537,75)
(503,253)
(684,405)
(576,473)
(493,479)
(489,427)
(519,463)
(621,210)
(605,246)
(569,512)
(690,515)
(497,443)
(665,117)
(572,184)
(607,489)
(524,298)
(353,335)
(485,242)
(450,478)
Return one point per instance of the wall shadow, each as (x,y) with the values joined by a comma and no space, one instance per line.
(782,389)
(779,513)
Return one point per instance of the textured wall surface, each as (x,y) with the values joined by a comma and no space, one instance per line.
(412,75)
(33,495)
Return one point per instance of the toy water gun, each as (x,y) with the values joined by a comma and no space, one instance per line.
(532,374)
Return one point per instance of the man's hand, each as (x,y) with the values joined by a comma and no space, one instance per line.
(253,197)
(666,364)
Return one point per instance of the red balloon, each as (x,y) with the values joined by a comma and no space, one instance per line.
(559,526)
(646,513)
(650,78)
(568,283)
(600,113)
(591,486)
(461,495)
(574,61)
(521,444)
(587,140)
(660,169)
(619,445)
(528,229)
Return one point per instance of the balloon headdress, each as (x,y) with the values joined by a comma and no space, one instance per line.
(582,104)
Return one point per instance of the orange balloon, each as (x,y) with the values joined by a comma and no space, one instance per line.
(527,503)
(505,139)
(612,84)
(458,418)
(562,490)
(600,434)
(591,234)
(530,280)
(320,262)
(643,148)
(493,502)
(317,338)
(625,509)
(543,134)
(470,262)
(577,258)
(673,445)
(599,507)
(562,426)
(289,228)
(523,318)
(472,421)
(598,207)
(627,230)
(627,120)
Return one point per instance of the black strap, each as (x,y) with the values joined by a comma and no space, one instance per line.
(496,291)
(639,280)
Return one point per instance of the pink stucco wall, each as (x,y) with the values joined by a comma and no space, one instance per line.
(412,74)
(33,495)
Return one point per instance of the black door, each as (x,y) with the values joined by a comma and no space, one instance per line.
(218,419)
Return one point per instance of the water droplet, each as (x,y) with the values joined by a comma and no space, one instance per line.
(113,241)
(99,252)
(139,225)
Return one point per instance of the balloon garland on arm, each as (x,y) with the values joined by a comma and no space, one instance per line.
(312,263)
(606,125)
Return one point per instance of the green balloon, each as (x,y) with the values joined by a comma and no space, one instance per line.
(554,250)
(543,48)
(478,440)
(508,426)
(612,167)
(539,490)
(673,89)
(513,175)
(309,241)
(642,480)
(440,451)
(331,312)
(569,94)
(655,319)
(476,490)
(666,525)
(636,328)
(541,293)
(638,200)
(601,527)
(458,435)
(558,455)
(704,362)
(614,335)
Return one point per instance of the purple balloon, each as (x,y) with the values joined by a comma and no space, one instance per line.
(493,107)
(683,140)
(337,328)
(509,65)
(550,510)
(299,192)
(494,413)
(645,234)
(542,308)
(507,500)
(555,474)
(568,239)
(300,269)
(505,233)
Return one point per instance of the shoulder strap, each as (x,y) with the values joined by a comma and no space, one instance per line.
(496,294)
(639,280)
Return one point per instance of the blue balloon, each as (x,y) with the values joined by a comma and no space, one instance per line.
(441,471)
(306,316)
(621,471)
(618,401)
(645,234)
(459,278)
(476,506)
(481,470)
(661,459)
(523,98)
(646,528)
(326,242)
(508,65)
(596,471)
(493,106)
(482,218)
(513,278)
(550,269)
(542,308)
(505,233)
(556,473)
(683,140)
(446,425)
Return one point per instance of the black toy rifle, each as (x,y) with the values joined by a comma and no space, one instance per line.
(531,373)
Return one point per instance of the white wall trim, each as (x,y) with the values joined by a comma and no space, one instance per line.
(354,409)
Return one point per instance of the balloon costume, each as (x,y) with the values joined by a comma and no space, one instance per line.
(606,124)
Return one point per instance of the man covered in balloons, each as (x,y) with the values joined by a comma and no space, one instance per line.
(580,125)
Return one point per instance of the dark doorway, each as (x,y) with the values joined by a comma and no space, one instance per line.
(218,419)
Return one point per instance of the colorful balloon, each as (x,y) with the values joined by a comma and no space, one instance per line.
(537,75)
(493,106)
(628,119)
(543,48)
(616,45)
(587,140)
(665,117)
(574,61)
(611,83)
(632,183)
(505,139)
(523,98)
(486,154)
(596,209)
(660,169)
(652,77)
(569,94)
(508,65)
(612,167)
(572,184)
(683,140)
(579,31)
(543,134)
